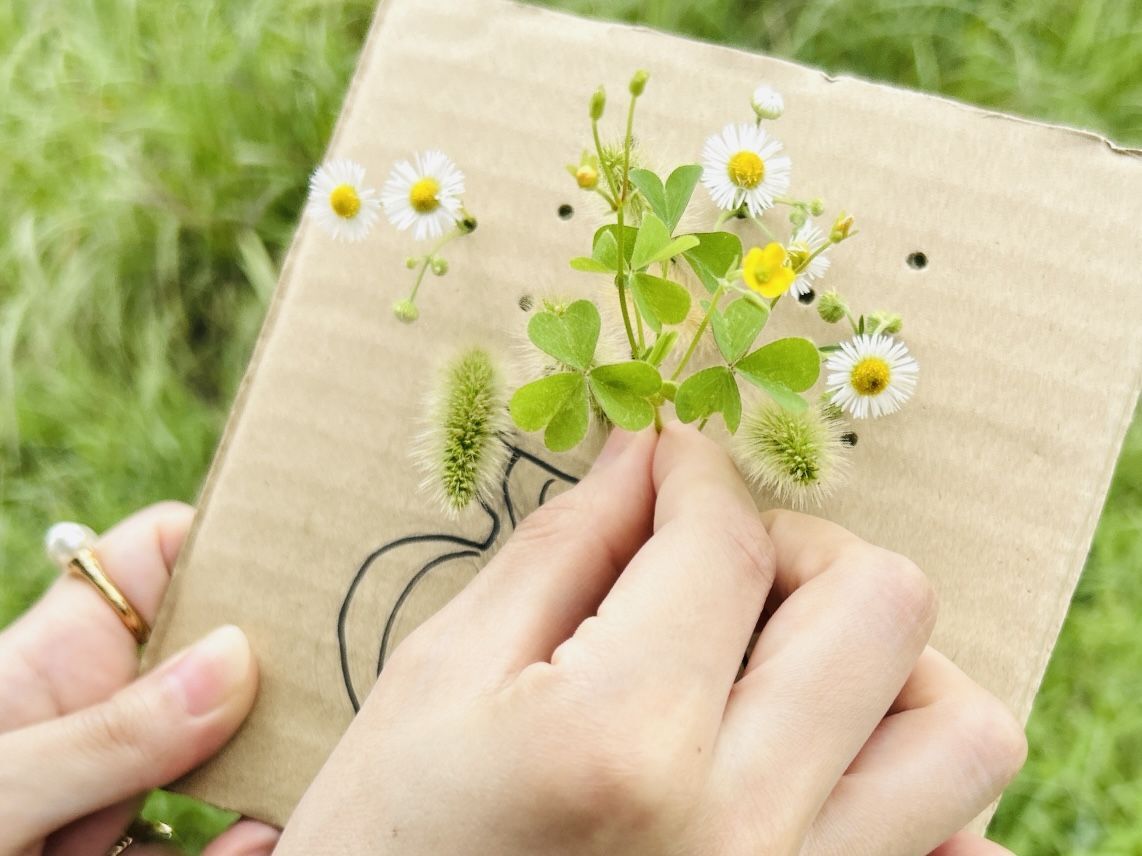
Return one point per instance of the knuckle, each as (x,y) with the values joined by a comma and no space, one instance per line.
(120,729)
(742,538)
(905,590)
(992,738)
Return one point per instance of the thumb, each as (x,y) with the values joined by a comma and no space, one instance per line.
(154,730)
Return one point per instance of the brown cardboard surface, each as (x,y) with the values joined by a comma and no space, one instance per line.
(992,478)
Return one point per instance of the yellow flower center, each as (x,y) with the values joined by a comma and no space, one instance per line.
(766,271)
(422,195)
(870,376)
(746,169)
(344,201)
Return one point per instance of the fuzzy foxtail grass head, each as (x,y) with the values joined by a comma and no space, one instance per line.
(460,450)
(799,456)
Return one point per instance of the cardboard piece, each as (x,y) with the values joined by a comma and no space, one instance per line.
(992,479)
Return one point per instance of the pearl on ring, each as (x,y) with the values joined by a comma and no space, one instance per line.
(64,540)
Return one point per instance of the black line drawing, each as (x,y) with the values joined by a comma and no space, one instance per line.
(456,547)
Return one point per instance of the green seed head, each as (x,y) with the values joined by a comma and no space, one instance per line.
(796,455)
(461,452)
(887,322)
(831,307)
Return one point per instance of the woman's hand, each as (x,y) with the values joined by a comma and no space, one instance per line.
(80,738)
(582,695)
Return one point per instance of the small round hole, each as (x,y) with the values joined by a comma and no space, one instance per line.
(565,211)
(917,261)
(849,438)
(807,297)
(526,302)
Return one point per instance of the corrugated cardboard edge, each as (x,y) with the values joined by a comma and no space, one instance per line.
(282,291)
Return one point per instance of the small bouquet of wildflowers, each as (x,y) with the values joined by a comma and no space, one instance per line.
(680,318)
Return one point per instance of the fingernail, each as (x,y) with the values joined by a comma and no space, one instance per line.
(209,672)
(612,450)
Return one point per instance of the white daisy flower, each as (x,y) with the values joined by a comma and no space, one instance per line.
(424,193)
(743,164)
(340,202)
(806,238)
(767,102)
(871,376)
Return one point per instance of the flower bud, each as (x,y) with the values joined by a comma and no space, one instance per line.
(598,103)
(587,177)
(439,265)
(406,311)
(767,102)
(842,226)
(638,82)
(411,262)
(817,206)
(798,217)
(887,322)
(831,308)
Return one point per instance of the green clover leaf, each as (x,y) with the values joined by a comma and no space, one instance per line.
(707,392)
(622,390)
(660,301)
(783,368)
(570,336)
(558,404)
(736,328)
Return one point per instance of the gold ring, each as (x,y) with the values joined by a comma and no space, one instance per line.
(142,832)
(72,547)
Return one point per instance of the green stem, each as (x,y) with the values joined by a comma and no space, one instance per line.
(723,218)
(603,161)
(620,210)
(657,419)
(620,281)
(427,260)
(702,424)
(699,332)
(606,196)
(764,228)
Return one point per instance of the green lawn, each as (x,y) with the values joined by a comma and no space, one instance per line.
(153,164)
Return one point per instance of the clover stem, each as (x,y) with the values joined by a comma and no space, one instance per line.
(620,210)
(620,281)
(717,295)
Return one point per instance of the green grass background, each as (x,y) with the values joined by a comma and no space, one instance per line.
(153,164)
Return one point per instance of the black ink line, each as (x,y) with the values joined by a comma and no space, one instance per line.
(470,549)
(395,611)
(543,490)
(343,614)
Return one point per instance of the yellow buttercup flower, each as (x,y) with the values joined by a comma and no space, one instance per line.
(767,271)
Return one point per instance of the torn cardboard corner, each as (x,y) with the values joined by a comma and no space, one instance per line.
(312,535)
